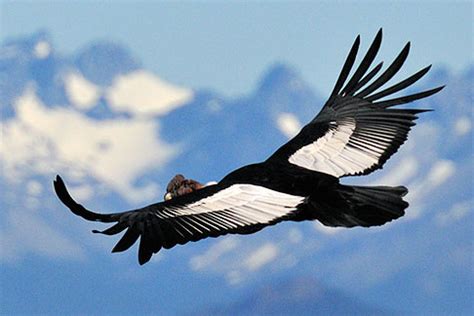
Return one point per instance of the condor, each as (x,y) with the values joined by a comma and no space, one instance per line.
(356,131)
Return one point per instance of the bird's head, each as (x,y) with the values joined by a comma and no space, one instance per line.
(179,185)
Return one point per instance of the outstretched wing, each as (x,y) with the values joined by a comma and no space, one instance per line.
(357,130)
(209,212)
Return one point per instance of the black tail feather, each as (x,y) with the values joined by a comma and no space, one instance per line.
(350,206)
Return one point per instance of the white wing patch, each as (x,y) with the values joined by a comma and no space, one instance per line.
(236,206)
(339,152)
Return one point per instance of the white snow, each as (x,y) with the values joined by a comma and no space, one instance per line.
(143,93)
(81,92)
(52,140)
(42,49)
(288,124)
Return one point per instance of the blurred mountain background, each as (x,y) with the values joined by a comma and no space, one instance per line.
(117,132)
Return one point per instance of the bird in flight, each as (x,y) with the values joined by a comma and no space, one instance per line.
(356,131)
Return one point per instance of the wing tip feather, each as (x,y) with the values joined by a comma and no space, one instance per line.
(76,208)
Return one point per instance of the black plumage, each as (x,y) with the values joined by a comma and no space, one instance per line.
(354,134)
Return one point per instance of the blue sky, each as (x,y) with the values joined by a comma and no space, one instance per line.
(227,46)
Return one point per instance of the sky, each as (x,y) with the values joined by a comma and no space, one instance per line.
(227,45)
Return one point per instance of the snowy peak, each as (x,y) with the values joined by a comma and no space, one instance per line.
(35,46)
(277,76)
(25,60)
(103,80)
(282,79)
(283,90)
(143,93)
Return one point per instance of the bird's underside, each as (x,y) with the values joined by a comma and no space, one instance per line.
(356,131)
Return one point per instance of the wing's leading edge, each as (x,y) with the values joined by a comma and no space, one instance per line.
(209,212)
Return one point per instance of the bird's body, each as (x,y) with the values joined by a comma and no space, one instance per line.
(354,134)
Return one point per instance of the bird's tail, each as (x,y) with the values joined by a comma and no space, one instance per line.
(350,206)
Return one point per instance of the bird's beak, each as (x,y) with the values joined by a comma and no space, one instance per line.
(168,196)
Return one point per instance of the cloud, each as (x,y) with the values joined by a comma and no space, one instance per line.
(439,173)
(143,93)
(213,254)
(34,188)
(295,236)
(82,192)
(405,169)
(457,212)
(220,258)
(234,277)
(81,92)
(462,126)
(261,256)
(288,124)
(42,140)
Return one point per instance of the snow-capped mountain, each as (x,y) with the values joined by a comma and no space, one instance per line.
(118,132)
